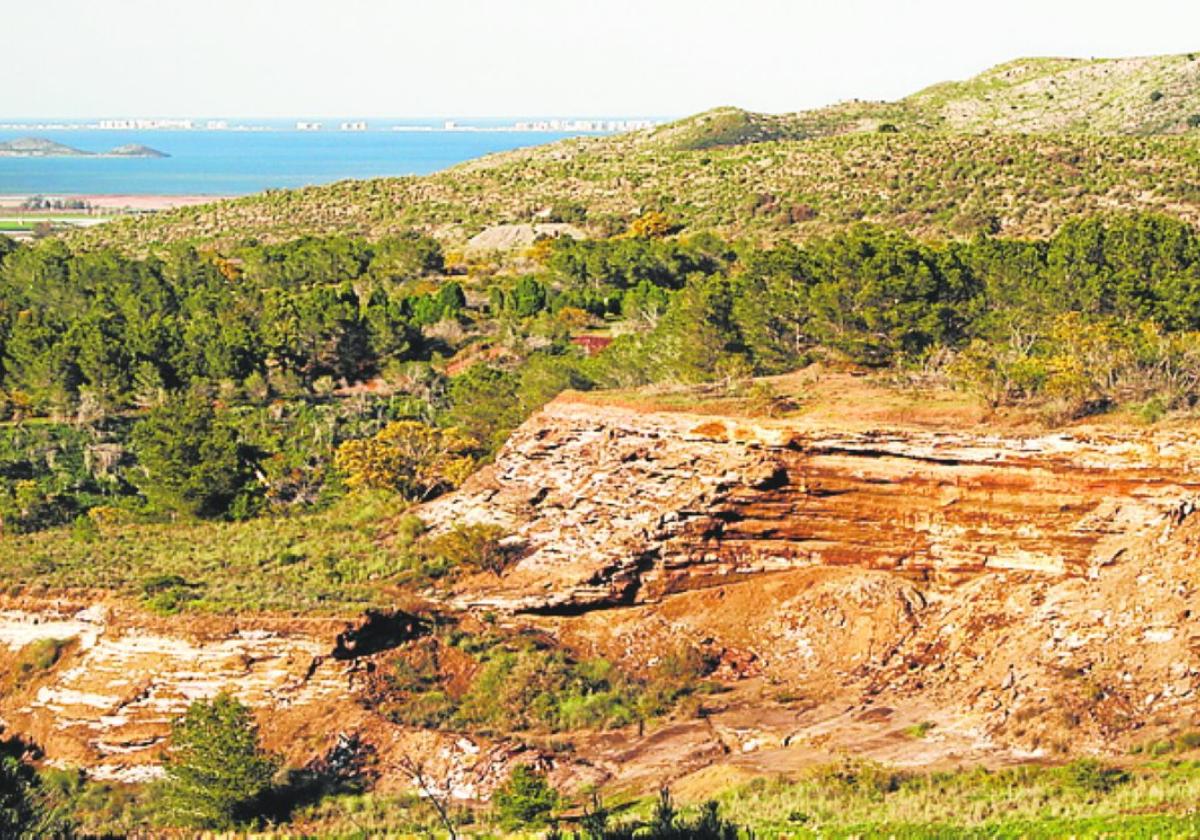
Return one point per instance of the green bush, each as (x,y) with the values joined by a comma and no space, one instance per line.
(27,811)
(525,799)
(519,686)
(39,656)
(1091,775)
(478,547)
(666,823)
(216,771)
(19,808)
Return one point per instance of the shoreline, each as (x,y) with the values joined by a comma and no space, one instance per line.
(112,202)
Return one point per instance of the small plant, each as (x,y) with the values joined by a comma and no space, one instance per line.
(667,824)
(1090,775)
(919,730)
(84,529)
(1160,748)
(763,400)
(167,594)
(1152,410)
(480,547)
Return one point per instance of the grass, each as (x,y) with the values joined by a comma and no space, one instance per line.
(331,561)
(1183,742)
(1084,799)
(1153,801)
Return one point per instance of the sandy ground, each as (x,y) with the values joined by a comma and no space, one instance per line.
(119,202)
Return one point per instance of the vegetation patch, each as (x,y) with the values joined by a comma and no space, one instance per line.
(491,680)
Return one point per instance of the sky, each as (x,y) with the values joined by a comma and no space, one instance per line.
(480,58)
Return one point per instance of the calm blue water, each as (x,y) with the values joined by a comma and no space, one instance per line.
(239,162)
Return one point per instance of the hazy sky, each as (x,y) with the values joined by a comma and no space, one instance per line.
(91,58)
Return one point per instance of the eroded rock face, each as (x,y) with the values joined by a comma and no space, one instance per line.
(109,703)
(1031,595)
(618,506)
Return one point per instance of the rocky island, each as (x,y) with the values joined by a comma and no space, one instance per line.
(42,147)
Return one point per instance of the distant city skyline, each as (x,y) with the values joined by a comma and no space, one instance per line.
(268,59)
(338,124)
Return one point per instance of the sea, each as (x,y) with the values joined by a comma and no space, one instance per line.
(255,157)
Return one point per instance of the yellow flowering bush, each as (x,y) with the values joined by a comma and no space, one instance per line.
(412,458)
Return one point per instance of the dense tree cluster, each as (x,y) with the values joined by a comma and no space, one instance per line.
(97,328)
(208,384)
(1103,311)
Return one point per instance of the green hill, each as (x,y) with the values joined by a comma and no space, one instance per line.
(1135,96)
(1018,150)
(1141,96)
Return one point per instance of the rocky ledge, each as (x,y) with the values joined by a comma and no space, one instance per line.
(608,505)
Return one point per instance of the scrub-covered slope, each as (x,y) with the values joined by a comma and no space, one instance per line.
(1019,149)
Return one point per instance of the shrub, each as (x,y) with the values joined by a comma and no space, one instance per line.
(414,459)
(919,730)
(26,809)
(525,799)
(216,771)
(1090,775)
(40,656)
(168,594)
(19,808)
(475,546)
(651,225)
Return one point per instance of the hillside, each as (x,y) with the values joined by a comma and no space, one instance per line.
(1134,96)
(136,150)
(932,185)
(1017,150)
(37,147)
(1143,96)
(797,175)
(936,599)
(890,532)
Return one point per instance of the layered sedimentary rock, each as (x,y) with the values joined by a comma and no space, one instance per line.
(123,677)
(610,505)
(1032,593)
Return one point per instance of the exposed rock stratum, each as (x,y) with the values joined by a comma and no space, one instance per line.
(1023,593)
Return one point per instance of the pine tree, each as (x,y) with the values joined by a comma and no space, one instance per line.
(190,457)
(216,769)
